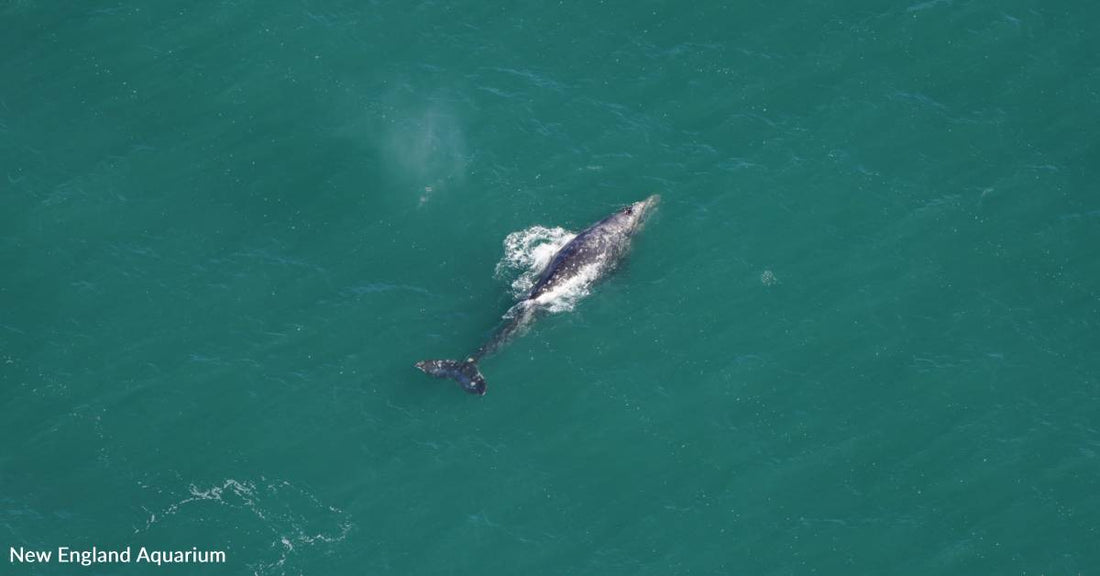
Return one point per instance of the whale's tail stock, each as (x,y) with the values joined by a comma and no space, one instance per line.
(464,372)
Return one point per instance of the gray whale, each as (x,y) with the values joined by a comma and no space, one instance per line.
(591,255)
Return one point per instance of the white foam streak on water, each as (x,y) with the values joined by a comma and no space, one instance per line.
(298,524)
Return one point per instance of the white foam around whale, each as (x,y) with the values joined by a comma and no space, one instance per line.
(526,254)
(565,296)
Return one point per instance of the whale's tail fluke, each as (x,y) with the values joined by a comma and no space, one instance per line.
(464,372)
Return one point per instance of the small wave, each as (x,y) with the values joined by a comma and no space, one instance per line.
(297,524)
(526,254)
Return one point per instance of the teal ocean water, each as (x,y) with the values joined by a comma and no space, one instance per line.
(859,336)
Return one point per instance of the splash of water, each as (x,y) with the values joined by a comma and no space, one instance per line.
(526,255)
(565,296)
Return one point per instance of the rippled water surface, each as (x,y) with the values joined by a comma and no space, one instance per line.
(858,337)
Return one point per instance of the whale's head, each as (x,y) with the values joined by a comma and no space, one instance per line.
(633,216)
